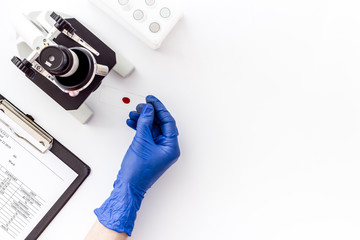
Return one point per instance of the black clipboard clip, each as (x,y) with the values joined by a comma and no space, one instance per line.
(26,123)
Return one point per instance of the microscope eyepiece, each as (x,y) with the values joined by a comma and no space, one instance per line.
(73,68)
(58,60)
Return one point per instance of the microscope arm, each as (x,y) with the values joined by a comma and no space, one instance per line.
(28,32)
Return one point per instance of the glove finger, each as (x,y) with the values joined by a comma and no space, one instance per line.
(131,123)
(167,122)
(140,107)
(156,131)
(134,116)
(145,123)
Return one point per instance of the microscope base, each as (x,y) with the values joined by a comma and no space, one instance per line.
(82,114)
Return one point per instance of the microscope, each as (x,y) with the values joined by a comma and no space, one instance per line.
(64,59)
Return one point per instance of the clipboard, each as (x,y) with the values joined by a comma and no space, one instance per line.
(49,144)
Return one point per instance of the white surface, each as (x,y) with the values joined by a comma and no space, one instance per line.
(266,96)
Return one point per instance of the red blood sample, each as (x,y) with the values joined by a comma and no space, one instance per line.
(126,100)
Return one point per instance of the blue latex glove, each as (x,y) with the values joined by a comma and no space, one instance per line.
(154,149)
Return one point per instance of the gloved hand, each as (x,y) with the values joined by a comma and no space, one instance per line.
(154,149)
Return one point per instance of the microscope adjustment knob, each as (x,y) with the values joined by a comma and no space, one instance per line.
(62,24)
(25,66)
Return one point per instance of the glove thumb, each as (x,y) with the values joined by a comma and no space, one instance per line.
(145,122)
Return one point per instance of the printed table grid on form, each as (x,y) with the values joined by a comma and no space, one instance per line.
(18,203)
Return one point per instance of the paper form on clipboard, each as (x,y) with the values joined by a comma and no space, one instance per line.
(31,182)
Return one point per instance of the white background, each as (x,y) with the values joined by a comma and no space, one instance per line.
(266,96)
